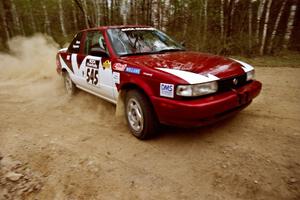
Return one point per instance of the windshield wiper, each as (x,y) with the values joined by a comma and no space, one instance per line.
(169,50)
(136,54)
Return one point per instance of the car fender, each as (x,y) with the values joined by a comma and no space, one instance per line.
(137,82)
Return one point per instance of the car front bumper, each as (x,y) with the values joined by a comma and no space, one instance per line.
(205,110)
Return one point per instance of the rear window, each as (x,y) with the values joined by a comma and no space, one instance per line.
(75,44)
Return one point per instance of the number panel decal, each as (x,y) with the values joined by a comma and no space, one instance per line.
(92,71)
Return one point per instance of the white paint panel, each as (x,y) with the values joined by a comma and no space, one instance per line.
(246,67)
(190,77)
(64,49)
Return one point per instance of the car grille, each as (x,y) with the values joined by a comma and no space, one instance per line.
(228,84)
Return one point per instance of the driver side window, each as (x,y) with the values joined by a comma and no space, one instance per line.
(94,43)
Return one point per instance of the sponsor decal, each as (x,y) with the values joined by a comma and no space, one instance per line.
(106,64)
(133,70)
(75,46)
(116,77)
(92,71)
(147,74)
(119,67)
(68,57)
(137,28)
(77,42)
(92,63)
(167,90)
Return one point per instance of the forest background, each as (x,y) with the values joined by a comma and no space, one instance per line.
(235,27)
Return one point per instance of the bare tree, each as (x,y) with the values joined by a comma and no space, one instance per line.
(61,18)
(86,17)
(258,19)
(74,13)
(3,18)
(124,11)
(264,36)
(32,21)
(97,12)
(47,27)
(205,21)
(250,25)
(276,26)
(222,19)
(289,25)
(234,23)
(234,5)
(16,20)
(83,9)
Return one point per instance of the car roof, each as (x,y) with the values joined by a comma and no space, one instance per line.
(116,26)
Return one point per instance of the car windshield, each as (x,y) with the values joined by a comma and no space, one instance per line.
(133,41)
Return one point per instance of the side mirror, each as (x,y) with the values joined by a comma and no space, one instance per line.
(98,52)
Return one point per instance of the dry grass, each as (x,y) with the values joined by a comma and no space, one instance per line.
(287,59)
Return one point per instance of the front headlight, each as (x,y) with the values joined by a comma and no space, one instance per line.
(197,89)
(250,75)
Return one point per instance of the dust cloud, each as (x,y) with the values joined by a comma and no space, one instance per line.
(29,69)
(29,58)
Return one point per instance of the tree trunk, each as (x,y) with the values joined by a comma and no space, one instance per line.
(205,22)
(98,13)
(106,12)
(74,13)
(86,18)
(16,20)
(111,12)
(258,19)
(270,47)
(136,12)
(4,22)
(32,21)
(290,24)
(250,26)
(199,25)
(264,36)
(222,19)
(158,13)
(61,18)
(155,14)
(149,13)
(235,2)
(47,27)
(229,19)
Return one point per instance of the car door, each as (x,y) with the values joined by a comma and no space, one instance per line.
(96,66)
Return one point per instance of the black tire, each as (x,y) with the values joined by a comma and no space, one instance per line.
(137,105)
(69,85)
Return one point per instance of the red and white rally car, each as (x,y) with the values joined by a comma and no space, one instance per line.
(155,77)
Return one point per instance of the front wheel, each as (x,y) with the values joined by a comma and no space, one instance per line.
(140,115)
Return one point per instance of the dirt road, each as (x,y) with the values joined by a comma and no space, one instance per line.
(77,149)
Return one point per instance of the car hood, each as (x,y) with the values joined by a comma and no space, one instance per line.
(199,63)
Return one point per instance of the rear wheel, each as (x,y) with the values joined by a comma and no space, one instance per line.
(69,85)
(140,115)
